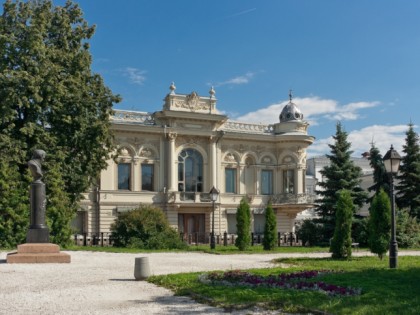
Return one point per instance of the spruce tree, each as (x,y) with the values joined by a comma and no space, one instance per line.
(340,174)
(380,177)
(270,228)
(379,224)
(243,225)
(408,187)
(341,241)
(49,97)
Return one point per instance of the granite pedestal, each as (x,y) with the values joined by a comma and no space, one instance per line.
(38,253)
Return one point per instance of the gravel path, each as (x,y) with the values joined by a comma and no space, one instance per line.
(103,283)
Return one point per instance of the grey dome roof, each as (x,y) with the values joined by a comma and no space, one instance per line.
(290,112)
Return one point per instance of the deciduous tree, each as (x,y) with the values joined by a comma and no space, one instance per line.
(49,97)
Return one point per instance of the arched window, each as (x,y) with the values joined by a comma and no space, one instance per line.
(190,171)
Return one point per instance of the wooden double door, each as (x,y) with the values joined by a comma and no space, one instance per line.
(192,225)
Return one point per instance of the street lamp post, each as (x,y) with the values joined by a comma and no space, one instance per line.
(392,163)
(214,193)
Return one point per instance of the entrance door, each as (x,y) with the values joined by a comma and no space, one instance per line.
(192,225)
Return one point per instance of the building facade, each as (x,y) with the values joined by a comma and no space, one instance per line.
(172,158)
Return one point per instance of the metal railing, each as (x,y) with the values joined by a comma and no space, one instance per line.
(105,239)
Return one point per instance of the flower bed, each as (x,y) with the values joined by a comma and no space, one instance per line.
(296,281)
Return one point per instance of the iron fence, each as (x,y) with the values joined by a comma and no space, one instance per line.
(104,239)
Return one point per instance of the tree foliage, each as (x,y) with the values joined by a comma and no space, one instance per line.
(408,187)
(380,177)
(49,97)
(14,205)
(340,174)
(145,227)
(310,232)
(380,224)
(341,241)
(243,225)
(408,230)
(270,228)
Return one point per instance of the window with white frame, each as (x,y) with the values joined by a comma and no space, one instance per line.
(230,180)
(266,182)
(190,171)
(289,181)
(124,176)
(147,176)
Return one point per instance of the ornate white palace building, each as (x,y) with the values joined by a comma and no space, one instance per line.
(172,158)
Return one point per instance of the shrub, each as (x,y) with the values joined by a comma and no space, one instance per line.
(408,230)
(360,231)
(310,232)
(270,229)
(341,241)
(243,225)
(379,224)
(147,228)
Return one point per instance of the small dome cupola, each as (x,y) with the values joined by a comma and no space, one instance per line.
(290,112)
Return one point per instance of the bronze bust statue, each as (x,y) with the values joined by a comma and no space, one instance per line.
(35,164)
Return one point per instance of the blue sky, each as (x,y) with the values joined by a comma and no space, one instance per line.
(357,61)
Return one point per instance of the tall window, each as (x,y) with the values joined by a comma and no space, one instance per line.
(147,174)
(289,181)
(266,182)
(190,171)
(124,176)
(230,175)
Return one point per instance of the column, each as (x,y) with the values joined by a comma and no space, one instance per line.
(213,163)
(172,171)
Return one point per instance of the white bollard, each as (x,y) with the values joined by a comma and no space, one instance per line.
(141,268)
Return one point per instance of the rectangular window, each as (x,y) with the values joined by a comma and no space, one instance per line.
(266,182)
(124,176)
(289,181)
(230,174)
(147,175)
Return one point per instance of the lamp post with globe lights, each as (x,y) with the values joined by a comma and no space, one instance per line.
(392,163)
(214,194)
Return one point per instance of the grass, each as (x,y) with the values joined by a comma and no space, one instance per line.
(220,250)
(384,291)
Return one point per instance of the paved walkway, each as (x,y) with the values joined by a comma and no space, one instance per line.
(103,283)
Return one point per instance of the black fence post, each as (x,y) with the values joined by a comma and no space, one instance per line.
(75,239)
(84,239)
(258,239)
(102,239)
(252,239)
(225,239)
(278,239)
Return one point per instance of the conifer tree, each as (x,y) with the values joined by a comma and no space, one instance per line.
(408,188)
(341,241)
(340,174)
(380,177)
(243,225)
(270,228)
(14,205)
(49,97)
(379,224)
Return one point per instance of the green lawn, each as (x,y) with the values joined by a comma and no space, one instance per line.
(384,291)
(220,250)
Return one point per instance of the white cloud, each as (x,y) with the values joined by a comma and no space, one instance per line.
(313,108)
(243,79)
(135,75)
(381,135)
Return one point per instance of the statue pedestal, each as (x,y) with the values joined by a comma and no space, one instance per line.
(38,253)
